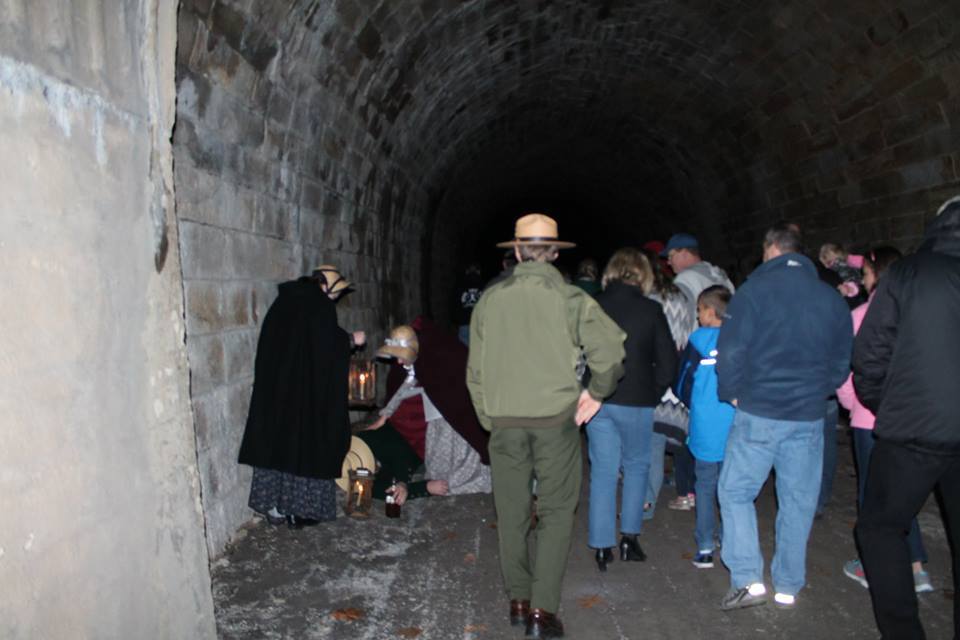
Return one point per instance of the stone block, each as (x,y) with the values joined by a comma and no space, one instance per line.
(202,302)
(915,123)
(203,251)
(236,305)
(208,419)
(240,348)
(207,363)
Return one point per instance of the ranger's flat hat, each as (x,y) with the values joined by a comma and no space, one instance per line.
(536,229)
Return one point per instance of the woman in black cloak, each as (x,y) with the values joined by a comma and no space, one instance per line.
(298,428)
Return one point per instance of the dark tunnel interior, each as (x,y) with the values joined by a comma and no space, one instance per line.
(402,138)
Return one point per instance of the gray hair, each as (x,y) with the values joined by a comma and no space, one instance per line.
(538,252)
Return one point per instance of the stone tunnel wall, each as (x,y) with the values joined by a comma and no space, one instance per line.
(386,135)
(280,166)
(102,532)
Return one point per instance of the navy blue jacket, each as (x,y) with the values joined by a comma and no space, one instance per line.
(785,342)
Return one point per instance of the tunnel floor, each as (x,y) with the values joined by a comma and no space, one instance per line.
(433,574)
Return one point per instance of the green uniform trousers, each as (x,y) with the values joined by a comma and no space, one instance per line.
(553,455)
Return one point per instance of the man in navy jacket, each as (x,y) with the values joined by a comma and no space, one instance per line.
(784,347)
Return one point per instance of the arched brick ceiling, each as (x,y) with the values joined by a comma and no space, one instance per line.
(714,116)
(400,138)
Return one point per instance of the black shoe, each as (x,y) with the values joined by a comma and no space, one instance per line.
(542,624)
(519,612)
(630,549)
(604,555)
(293,522)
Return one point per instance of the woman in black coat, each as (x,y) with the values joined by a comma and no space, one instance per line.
(298,427)
(620,433)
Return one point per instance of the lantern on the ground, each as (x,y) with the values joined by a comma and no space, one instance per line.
(359,493)
(363,381)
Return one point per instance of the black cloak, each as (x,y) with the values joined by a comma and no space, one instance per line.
(441,368)
(299,421)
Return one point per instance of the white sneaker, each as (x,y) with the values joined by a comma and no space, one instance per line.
(784,600)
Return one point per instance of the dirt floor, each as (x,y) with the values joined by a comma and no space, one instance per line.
(433,574)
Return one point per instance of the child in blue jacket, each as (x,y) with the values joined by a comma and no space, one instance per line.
(710,418)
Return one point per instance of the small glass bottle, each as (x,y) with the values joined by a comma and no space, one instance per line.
(392,508)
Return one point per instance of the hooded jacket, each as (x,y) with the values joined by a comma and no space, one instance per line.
(785,342)
(694,279)
(906,363)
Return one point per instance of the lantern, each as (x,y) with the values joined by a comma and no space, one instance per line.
(363,381)
(359,493)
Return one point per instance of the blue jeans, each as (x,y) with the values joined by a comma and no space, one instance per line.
(829,453)
(463,332)
(619,438)
(658,449)
(863,442)
(794,449)
(706,489)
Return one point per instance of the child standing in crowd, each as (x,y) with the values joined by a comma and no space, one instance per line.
(862,423)
(847,267)
(710,418)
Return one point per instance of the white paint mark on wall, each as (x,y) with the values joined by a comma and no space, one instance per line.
(158,408)
(29,543)
(64,101)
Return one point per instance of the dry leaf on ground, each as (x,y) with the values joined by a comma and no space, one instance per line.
(470,558)
(348,614)
(410,632)
(474,628)
(588,602)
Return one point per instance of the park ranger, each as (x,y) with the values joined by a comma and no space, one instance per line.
(526,336)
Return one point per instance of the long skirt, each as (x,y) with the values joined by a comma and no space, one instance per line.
(291,495)
(449,457)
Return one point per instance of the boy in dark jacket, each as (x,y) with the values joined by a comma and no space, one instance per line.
(710,417)
(906,368)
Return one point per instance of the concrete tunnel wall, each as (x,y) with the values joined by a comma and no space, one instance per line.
(400,138)
(102,530)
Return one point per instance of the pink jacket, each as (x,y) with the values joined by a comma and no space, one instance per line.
(860,416)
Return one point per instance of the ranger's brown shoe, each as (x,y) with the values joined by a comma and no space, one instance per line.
(519,610)
(543,624)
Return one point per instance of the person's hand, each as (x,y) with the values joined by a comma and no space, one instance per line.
(359,338)
(379,422)
(587,407)
(399,492)
(734,402)
(437,487)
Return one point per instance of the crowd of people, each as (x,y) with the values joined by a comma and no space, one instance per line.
(658,353)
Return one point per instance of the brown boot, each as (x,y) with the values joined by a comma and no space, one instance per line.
(519,610)
(543,624)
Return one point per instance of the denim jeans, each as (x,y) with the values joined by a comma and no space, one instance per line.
(707,475)
(863,442)
(684,473)
(619,438)
(794,449)
(658,449)
(829,453)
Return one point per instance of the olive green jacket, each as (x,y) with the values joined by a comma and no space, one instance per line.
(525,339)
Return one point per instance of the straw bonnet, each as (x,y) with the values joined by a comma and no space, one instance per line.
(332,278)
(402,343)
(536,229)
(359,455)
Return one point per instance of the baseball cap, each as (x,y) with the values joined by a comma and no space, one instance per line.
(679,241)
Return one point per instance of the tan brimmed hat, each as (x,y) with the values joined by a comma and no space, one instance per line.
(359,456)
(536,229)
(331,276)
(402,343)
